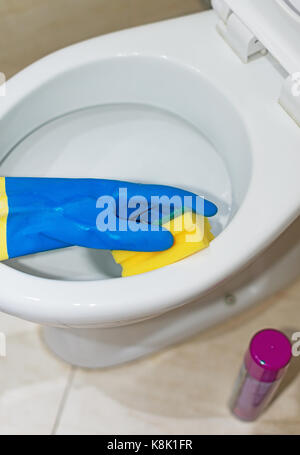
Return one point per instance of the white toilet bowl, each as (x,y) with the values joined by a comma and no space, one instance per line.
(165,103)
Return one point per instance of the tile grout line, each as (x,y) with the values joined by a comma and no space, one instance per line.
(63,399)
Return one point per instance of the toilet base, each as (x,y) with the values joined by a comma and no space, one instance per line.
(105,347)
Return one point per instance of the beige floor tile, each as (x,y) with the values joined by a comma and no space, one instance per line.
(185,390)
(10,325)
(32,384)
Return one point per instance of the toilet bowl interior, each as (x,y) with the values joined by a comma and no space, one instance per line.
(148,120)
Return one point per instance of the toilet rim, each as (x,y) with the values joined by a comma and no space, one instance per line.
(121,301)
(125,300)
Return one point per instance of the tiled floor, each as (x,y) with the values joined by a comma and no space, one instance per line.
(166,393)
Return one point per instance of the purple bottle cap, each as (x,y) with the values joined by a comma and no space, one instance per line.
(268,355)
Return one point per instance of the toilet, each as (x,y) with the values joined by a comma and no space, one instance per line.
(207,102)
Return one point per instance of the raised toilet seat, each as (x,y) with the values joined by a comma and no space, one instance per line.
(174,71)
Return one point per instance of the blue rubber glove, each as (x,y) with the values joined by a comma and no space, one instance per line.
(39,214)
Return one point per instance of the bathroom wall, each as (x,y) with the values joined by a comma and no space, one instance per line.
(30,29)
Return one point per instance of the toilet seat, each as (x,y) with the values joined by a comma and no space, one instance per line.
(274,23)
(269,205)
(251,27)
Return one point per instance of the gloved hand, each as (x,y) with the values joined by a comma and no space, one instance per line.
(39,214)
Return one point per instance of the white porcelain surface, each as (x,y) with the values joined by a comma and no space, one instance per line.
(276,25)
(99,348)
(186,389)
(250,132)
(129,142)
(178,391)
(292,7)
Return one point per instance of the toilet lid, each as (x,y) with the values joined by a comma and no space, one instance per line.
(276,23)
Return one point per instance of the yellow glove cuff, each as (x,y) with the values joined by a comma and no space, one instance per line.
(3,220)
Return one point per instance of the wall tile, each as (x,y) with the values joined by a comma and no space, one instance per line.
(31,29)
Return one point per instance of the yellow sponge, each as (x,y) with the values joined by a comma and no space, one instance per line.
(191,234)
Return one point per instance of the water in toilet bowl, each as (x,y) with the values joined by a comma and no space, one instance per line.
(128,142)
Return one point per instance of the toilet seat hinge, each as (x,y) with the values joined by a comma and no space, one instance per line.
(290,96)
(236,33)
